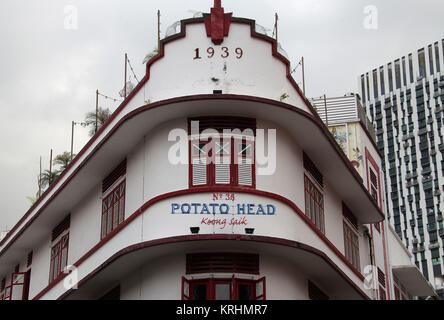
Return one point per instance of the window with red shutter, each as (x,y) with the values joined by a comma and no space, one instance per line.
(223,289)
(222,159)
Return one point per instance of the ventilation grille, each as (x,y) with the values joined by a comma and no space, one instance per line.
(221,123)
(349,216)
(222,263)
(310,167)
(314,293)
(113,176)
(373,178)
(381,277)
(29,259)
(62,226)
(114,294)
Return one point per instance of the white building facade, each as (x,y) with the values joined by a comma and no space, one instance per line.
(257,202)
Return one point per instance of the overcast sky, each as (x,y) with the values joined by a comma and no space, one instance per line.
(49,74)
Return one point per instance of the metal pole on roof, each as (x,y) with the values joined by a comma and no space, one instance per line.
(325,106)
(303,76)
(40,178)
(276,18)
(126,70)
(158,30)
(97,111)
(50,162)
(72,138)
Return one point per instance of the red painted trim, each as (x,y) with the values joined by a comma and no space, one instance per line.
(194,238)
(210,190)
(211,283)
(145,79)
(217,24)
(370,138)
(370,159)
(159,104)
(385,261)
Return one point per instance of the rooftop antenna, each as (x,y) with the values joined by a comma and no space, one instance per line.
(40,178)
(276,19)
(50,162)
(218,3)
(303,75)
(325,106)
(97,111)
(158,30)
(126,70)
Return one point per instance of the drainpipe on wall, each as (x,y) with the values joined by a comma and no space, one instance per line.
(372,258)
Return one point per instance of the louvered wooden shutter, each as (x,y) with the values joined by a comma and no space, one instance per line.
(245,164)
(222,165)
(199,163)
(199,171)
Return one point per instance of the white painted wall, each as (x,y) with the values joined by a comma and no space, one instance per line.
(161,279)
(150,174)
(257,73)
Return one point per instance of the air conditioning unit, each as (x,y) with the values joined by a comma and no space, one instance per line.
(437,193)
(434,245)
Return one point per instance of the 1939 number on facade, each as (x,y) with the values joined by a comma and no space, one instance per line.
(223,52)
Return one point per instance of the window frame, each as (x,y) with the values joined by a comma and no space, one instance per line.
(317,204)
(53,275)
(351,246)
(110,193)
(234,283)
(210,159)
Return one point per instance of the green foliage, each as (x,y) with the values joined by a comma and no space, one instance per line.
(103,116)
(284,96)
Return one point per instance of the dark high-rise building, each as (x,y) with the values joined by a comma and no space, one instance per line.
(404,100)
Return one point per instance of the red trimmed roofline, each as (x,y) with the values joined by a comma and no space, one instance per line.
(145,79)
(316,120)
(219,237)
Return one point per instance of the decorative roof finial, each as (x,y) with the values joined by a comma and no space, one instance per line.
(218,23)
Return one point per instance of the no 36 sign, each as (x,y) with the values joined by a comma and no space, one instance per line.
(223,52)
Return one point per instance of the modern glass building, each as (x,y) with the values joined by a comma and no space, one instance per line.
(404,100)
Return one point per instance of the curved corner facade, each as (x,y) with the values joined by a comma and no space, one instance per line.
(215,179)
